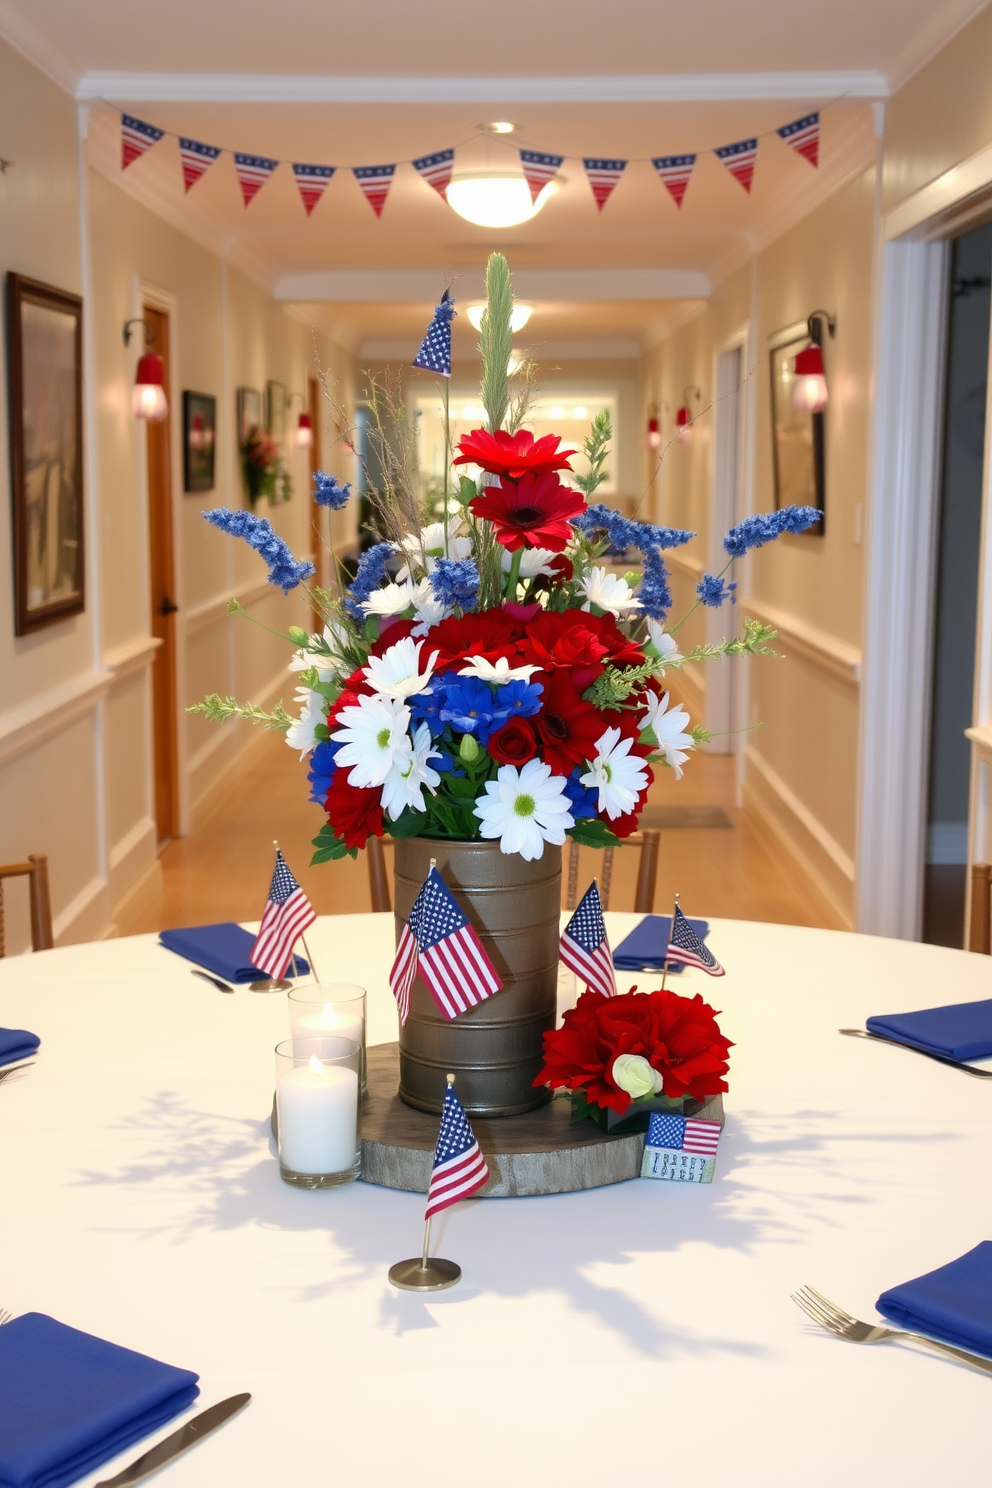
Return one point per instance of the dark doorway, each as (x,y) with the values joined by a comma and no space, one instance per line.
(163,589)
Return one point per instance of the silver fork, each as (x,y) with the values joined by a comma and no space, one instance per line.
(14,1069)
(836,1320)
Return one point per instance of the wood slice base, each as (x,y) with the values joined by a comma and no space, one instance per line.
(541,1152)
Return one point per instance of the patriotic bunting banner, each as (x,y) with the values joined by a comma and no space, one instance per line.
(312,182)
(739,160)
(197,158)
(375,181)
(136,138)
(675,171)
(539,170)
(253,172)
(603,178)
(436,170)
(804,137)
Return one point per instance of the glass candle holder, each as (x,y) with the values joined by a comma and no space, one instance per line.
(330,1009)
(317,1096)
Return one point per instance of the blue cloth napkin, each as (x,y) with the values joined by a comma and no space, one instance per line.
(953,1303)
(223,949)
(16,1043)
(963,1030)
(644,948)
(69,1401)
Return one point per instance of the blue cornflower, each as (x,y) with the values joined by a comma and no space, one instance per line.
(327,491)
(654,593)
(713,590)
(520,699)
(765,527)
(321,771)
(425,707)
(584,799)
(470,707)
(257,532)
(455,582)
(371,572)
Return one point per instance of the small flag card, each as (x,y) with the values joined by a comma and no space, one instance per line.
(680,1149)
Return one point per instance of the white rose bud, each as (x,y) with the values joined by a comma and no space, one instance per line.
(633,1074)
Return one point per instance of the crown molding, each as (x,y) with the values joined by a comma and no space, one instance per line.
(706,87)
(21,32)
(403,286)
(932,37)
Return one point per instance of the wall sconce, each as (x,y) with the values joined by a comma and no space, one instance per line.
(304,431)
(652,438)
(683,419)
(148,400)
(810,393)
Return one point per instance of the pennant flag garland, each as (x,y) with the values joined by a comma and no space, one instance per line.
(539,170)
(604,176)
(675,171)
(197,159)
(440,943)
(435,349)
(436,171)
(253,172)
(584,947)
(312,182)
(804,137)
(739,160)
(136,138)
(375,181)
(459,1166)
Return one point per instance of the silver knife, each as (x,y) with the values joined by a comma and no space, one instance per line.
(180,1441)
(880,1038)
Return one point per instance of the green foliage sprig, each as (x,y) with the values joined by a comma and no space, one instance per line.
(219,709)
(495,341)
(754,642)
(595,447)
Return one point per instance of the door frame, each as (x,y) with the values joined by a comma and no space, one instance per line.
(725,691)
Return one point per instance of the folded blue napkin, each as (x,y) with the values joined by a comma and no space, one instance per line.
(963,1030)
(69,1401)
(223,949)
(953,1303)
(644,948)
(16,1043)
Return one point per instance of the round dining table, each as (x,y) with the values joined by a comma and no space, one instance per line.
(642,1332)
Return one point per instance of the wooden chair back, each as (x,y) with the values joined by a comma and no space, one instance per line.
(980,926)
(649,841)
(378,877)
(36,870)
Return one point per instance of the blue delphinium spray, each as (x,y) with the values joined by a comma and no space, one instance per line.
(327,491)
(765,527)
(623,532)
(257,532)
(713,589)
(455,582)
(371,572)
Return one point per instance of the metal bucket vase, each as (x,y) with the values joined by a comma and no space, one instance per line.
(496,1049)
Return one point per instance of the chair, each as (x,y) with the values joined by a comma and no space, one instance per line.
(378,877)
(36,869)
(649,841)
(980,928)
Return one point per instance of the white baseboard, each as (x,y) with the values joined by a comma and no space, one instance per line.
(790,827)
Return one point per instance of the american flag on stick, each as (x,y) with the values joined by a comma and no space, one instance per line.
(584,946)
(685,946)
(440,944)
(287,914)
(459,1166)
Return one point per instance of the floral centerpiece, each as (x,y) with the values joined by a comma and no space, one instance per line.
(263,468)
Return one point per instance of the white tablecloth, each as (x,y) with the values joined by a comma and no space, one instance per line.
(640,1333)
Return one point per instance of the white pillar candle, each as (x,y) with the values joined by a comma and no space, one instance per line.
(318,1118)
(328,1020)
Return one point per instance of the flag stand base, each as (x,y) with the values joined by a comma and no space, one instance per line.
(270,985)
(415,1276)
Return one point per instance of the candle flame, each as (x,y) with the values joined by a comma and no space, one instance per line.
(315,1064)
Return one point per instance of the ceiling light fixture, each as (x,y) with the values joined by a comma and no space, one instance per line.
(497,198)
(519,315)
(500,126)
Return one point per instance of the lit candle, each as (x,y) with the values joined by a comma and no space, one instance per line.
(328,1020)
(318,1117)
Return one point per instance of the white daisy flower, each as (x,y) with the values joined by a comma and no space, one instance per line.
(668,730)
(525,809)
(391,599)
(425,550)
(618,778)
(374,734)
(427,608)
(410,773)
(328,667)
(396,673)
(666,645)
(609,592)
(300,734)
(497,672)
(535,561)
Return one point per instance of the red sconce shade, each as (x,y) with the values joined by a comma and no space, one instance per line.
(148,400)
(653,436)
(683,426)
(810,393)
(304,431)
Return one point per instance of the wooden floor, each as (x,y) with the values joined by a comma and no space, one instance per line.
(222,870)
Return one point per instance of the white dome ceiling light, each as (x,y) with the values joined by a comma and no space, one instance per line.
(496,198)
(519,315)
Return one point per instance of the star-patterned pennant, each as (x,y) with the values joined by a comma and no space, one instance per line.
(436,170)
(604,176)
(312,183)
(136,138)
(253,172)
(804,137)
(375,181)
(538,170)
(435,349)
(675,171)
(739,160)
(197,158)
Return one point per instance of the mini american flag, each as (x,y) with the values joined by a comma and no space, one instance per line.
(459,1166)
(375,181)
(584,946)
(685,946)
(739,160)
(539,170)
(675,171)
(253,172)
(804,137)
(435,349)
(439,942)
(136,138)
(683,1134)
(287,914)
(603,178)
(436,170)
(197,158)
(312,182)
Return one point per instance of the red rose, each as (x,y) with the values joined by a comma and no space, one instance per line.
(514,743)
(354,812)
(512,454)
(568,726)
(563,640)
(532,512)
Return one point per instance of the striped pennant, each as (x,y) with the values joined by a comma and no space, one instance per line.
(253,172)
(675,171)
(603,178)
(739,160)
(312,182)
(539,170)
(197,158)
(436,170)
(136,138)
(375,181)
(804,137)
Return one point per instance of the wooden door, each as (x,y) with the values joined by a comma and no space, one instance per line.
(163,592)
(313,408)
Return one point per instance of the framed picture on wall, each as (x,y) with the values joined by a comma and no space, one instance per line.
(275,411)
(45,389)
(797,436)
(249,411)
(199,439)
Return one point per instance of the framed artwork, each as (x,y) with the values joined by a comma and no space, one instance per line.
(45,385)
(275,411)
(797,437)
(199,439)
(249,411)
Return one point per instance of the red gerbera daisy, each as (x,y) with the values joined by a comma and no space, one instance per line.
(567,726)
(512,454)
(532,512)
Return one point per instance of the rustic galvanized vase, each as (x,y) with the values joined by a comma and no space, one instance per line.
(496,1049)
